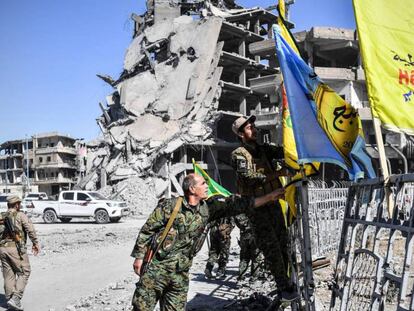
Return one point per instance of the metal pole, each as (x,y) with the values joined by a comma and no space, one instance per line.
(27,164)
(401,155)
(7,173)
(383,163)
(308,282)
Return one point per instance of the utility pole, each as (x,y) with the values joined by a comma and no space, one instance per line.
(27,164)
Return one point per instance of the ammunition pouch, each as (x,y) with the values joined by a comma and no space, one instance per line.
(167,244)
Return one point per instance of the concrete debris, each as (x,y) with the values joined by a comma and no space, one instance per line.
(140,194)
(166,98)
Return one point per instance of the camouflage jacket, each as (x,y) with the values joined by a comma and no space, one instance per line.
(256,168)
(178,249)
(222,228)
(23,226)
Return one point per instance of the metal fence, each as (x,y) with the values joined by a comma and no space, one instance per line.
(326,213)
(375,263)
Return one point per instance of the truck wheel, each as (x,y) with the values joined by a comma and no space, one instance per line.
(101,217)
(49,216)
(65,220)
(115,219)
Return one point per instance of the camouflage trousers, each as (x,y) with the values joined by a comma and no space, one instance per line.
(219,249)
(16,271)
(249,253)
(272,239)
(157,284)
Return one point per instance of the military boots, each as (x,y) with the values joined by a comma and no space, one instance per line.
(221,273)
(208,272)
(14,303)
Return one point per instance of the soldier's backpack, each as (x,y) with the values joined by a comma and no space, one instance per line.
(3,215)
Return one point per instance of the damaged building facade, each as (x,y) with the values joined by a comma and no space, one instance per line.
(46,162)
(191,69)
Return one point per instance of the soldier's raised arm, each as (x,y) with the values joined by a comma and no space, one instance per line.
(220,207)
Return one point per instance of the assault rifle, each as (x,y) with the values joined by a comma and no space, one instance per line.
(14,235)
(200,241)
(149,255)
(157,241)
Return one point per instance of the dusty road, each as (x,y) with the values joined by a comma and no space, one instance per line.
(84,266)
(78,259)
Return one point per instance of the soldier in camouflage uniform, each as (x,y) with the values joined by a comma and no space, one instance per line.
(220,241)
(249,253)
(166,279)
(257,174)
(15,265)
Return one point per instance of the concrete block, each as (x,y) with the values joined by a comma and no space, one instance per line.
(266,84)
(330,73)
(138,92)
(331,33)
(164,10)
(133,55)
(150,127)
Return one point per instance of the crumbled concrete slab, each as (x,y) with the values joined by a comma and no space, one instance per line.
(150,127)
(133,56)
(138,92)
(166,97)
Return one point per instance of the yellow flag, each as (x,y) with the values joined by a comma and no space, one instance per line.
(289,145)
(284,31)
(386,38)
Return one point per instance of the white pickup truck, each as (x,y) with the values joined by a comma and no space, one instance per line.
(80,204)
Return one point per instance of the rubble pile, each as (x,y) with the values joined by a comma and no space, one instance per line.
(140,194)
(114,297)
(65,241)
(166,97)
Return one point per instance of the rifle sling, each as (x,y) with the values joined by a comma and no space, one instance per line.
(169,223)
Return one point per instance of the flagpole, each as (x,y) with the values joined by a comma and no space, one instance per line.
(383,163)
(308,281)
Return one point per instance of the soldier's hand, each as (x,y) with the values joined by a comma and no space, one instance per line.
(270,197)
(36,249)
(277,194)
(137,265)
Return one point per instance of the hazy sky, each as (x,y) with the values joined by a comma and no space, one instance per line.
(51,50)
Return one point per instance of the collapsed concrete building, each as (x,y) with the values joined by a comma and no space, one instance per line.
(191,69)
(185,79)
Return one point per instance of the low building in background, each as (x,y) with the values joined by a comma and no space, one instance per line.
(46,162)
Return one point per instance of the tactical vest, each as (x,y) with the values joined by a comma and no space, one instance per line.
(179,231)
(6,239)
(258,165)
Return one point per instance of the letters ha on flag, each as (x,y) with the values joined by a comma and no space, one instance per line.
(386,37)
(326,128)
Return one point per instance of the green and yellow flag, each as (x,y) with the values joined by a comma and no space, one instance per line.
(214,188)
(386,38)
